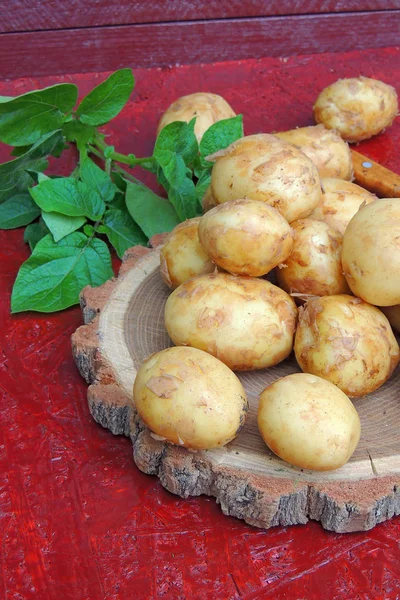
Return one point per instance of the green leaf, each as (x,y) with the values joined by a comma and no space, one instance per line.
(106,100)
(26,118)
(13,176)
(55,273)
(97,179)
(79,133)
(178,138)
(122,231)
(220,136)
(202,185)
(61,225)
(34,233)
(152,213)
(181,189)
(119,181)
(18,211)
(68,196)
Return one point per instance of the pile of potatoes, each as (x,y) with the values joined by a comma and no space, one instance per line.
(281,208)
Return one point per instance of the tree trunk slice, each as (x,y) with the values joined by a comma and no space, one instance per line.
(125,323)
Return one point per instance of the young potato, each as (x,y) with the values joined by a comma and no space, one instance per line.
(308,422)
(314,266)
(182,256)
(246,237)
(207,108)
(371,252)
(339,202)
(358,107)
(393,316)
(346,341)
(262,167)
(190,398)
(329,153)
(246,322)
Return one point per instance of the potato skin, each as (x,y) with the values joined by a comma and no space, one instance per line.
(262,167)
(182,256)
(371,252)
(339,203)
(329,153)
(308,422)
(190,398)
(392,314)
(346,341)
(246,237)
(248,323)
(358,107)
(206,107)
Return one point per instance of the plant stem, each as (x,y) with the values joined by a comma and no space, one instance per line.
(117,168)
(125,159)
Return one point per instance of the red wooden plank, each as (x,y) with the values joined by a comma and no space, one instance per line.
(29,15)
(108,48)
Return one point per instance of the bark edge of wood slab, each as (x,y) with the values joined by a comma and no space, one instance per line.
(124,323)
(374,177)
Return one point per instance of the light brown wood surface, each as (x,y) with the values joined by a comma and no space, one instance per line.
(247,479)
(374,177)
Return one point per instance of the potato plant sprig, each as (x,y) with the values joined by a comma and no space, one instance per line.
(69,219)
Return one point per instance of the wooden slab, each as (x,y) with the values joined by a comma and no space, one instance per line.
(125,323)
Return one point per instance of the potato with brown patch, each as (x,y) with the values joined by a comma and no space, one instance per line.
(190,398)
(329,153)
(371,252)
(246,237)
(393,316)
(182,256)
(246,322)
(314,266)
(340,201)
(357,108)
(207,108)
(262,167)
(308,422)
(346,341)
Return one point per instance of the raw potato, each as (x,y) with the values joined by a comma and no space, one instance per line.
(393,316)
(346,341)
(314,266)
(308,422)
(246,237)
(358,107)
(190,398)
(339,202)
(371,252)
(207,108)
(329,153)
(182,256)
(246,322)
(262,167)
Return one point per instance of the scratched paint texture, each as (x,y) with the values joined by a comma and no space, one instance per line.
(78,520)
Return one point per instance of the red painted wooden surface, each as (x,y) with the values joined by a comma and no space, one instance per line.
(78,520)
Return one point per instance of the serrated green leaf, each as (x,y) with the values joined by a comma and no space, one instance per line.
(24,119)
(179,138)
(220,136)
(52,278)
(122,231)
(152,213)
(13,176)
(61,225)
(97,179)
(34,233)
(106,100)
(18,211)
(68,196)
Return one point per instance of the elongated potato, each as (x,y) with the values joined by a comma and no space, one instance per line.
(308,422)
(358,107)
(371,252)
(393,316)
(246,322)
(329,153)
(190,398)
(339,202)
(207,108)
(346,341)
(246,237)
(262,167)
(182,256)
(314,266)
